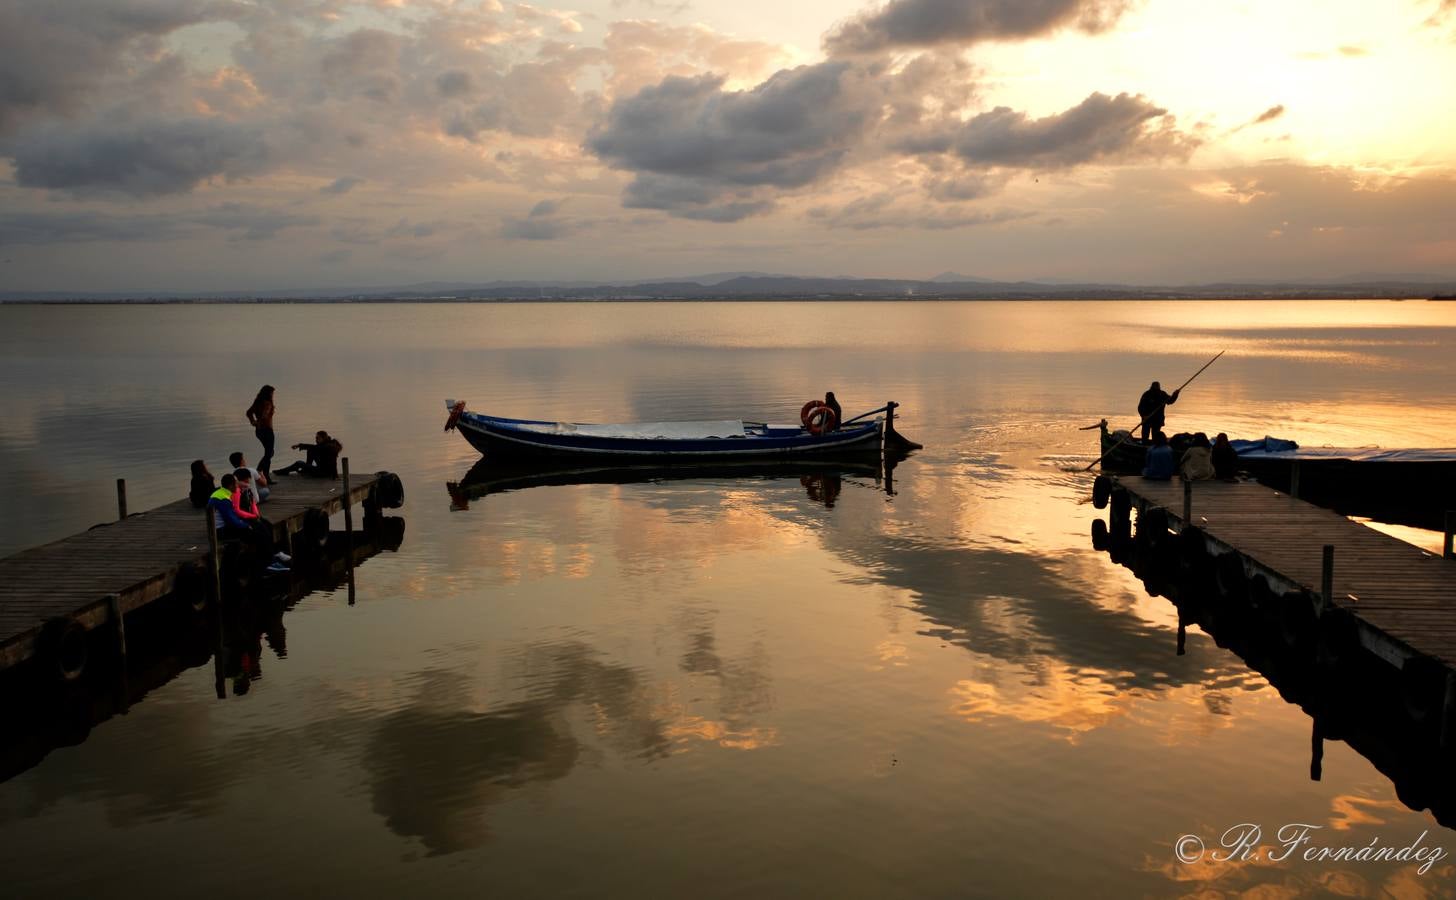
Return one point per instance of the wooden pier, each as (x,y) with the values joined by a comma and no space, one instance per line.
(1401,599)
(95,578)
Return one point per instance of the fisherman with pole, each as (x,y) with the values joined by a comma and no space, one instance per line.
(1153,416)
(1151,406)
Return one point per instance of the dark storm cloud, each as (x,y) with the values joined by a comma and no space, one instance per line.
(53,53)
(341,185)
(1099,129)
(928,23)
(694,145)
(139,158)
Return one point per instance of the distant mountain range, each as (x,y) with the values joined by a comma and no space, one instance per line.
(766,286)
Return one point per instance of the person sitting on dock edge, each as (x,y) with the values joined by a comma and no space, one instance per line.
(203,484)
(322,458)
(1197,461)
(245,503)
(1159,463)
(258,482)
(1225,458)
(230,526)
(1151,406)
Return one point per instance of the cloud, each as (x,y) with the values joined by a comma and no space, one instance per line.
(885,210)
(1268,115)
(245,221)
(53,55)
(1099,129)
(928,23)
(142,158)
(341,185)
(694,145)
(540,224)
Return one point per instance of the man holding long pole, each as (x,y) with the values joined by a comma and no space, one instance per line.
(1151,406)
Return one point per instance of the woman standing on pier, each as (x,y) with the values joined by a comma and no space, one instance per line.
(260,416)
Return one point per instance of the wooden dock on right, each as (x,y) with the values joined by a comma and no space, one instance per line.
(1402,598)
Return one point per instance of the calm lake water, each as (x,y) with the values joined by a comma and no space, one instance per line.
(708,686)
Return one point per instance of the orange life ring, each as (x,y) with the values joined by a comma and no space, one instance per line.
(808,408)
(821,420)
(455,412)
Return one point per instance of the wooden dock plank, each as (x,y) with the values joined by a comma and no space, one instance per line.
(1405,592)
(137,559)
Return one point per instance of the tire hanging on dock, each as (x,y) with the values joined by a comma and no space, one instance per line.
(1101,491)
(65,647)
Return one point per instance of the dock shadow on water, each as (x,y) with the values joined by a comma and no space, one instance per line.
(1392,716)
(180,632)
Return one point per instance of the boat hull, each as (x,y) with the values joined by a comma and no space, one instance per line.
(500,438)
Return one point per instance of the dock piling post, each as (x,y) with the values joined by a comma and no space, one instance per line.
(113,606)
(1294,479)
(214,583)
(120,499)
(1327,579)
(1447,551)
(1448,712)
(1187,502)
(348,532)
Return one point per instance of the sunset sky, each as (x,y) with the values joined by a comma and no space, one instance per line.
(218,145)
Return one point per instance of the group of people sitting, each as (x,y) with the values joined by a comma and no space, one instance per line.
(1201,461)
(235,498)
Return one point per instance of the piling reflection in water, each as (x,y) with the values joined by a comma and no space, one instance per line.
(170,637)
(1348,693)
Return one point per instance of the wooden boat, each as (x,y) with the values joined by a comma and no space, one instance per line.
(500,437)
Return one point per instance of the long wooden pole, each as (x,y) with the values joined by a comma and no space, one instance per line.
(1153,413)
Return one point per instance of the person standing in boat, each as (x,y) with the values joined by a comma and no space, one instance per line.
(833,404)
(1151,406)
(260,416)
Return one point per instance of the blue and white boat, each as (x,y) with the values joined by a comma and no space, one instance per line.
(499,437)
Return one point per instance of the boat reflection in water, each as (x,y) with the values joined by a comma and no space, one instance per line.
(1349,694)
(171,636)
(822,479)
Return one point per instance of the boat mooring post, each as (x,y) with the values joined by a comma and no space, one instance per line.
(1294,479)
(1447,550)
(120,498)
(1327,579)
(348,532)
(1187,502)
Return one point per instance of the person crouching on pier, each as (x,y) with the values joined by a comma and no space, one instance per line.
(1159,463)
(322,458)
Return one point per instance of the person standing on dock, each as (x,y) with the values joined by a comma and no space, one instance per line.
(1151,406)
(260,416)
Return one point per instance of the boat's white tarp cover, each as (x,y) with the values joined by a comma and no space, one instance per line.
(1353,454)
(728,428)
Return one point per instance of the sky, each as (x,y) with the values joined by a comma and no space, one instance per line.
(249,145)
